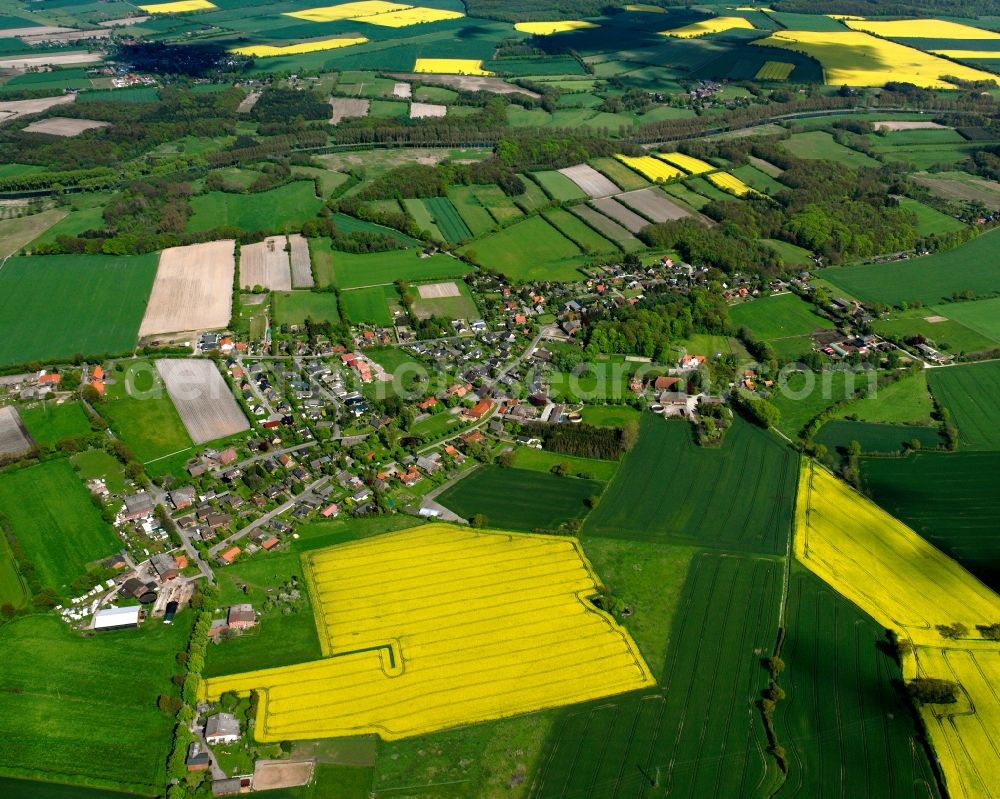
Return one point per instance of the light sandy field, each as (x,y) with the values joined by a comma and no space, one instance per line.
(271,51)
(402,90)
(247,103)
(122,21)
(178,7)
(32,30)
(202,398)
(652,204)
(469,83)
(16,232)
(12,109)
(193,289)
(14,438)
(70,36)
(302,276)
(362,8)
(442,626)
(450,66)
(903,124)
(548,28)
(706,26)
(269,775)
(437,291)
(265,264)
(590,181)
(978,190)
(425,110)
(348,108)
(54,59)
(613,209)
(64,126)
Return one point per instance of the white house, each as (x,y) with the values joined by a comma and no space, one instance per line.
(222,728)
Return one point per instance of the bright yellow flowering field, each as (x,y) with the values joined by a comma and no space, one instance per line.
(731,183)
(645,7)
(920,29)
(410,16)
(775,70)
(362,8)
(908,586)
(690,164)
(269,51)
(178,7)
(548,28)
(440,626)
(713,25)
(856,58)
(970,55)
(652,168)
(450,66)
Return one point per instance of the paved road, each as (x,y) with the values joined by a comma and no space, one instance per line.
(274,453)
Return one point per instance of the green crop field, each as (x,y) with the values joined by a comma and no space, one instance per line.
(930,220)
(353,270)
(528,250)
(274,210)
(837,435)
(619,174)
(906,401)
(982,316)
(460,307)
(969,392)
(370,305)
(950,499)
(778,317)
(48,422)
(946,335)
(579,232)
(421,214)
(930,279)
(294,307)
(801,395)
(701,716)
(476,217)
(846,727)
(820,144)
(143,416)
(499,205)
(520,499)
(60,691)
(739,496)
(13,590)
(59,305)
(558,186)
(50,513)
(609,415)
(447,219)
(540,460)
(761,181)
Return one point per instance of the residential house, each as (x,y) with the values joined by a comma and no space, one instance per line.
(222,728)
(229,555)
(479,410)
(241,617)
(182,497)
(137,506)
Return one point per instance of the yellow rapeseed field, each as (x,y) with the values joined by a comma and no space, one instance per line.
(910,587)
(731,183)
(920,29)
(651,168)
(363,8)
(450,66)
(775,70)
(548,28)
(713,25)
(690,164)
(969,55)
(410,16)
(645,7)
(178,7)
(440,626)
(856,58)
(269,51)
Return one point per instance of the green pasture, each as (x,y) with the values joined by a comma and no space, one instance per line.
(476,217)
(355,270)
(778,317)
(500,207)
(294,307)
(946,335)
(48,422)
(930,220)
(540,460)
(609,415)
(370,305)
(800,395)
(579,232)
(285,207)
(820,144)
(970,392)
(874,438)
(558,187)
(143,416)
(982,316)
(528,250)
(905,401)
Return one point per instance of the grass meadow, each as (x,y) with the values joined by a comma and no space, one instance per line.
(286,206)
(969,392)
(370,305)
(48,422)
(540,460)
(528,250)
(294,307)
(149,425)
(779,317)
(887,439)
(906,401)
(352,270)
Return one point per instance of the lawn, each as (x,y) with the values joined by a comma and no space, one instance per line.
(50,513)
(48,422)
(820,144)
(609,415)
(294,307)
(905,401)
(143,416)
(528,250)
(930,278)
(370,305)
(888,439)
(520,499)
(540,460)
(700,717)
(58,692)
(949,499)
(779,316)
(970,392)
(736,497)
(275,210)
(59,305)
(375,269)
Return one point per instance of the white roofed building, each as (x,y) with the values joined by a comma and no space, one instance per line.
(117,618)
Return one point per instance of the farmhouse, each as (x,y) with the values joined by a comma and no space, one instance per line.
(479,410)
(117,618)
(182,497)
(165,566)
(222,728)
(137,506)
(241,617)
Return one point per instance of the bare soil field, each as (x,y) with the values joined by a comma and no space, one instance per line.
(652,204)
(64,126)
(193,289)
(271,774)
(69,36)
(590,181)
(14,438)
(202,398)
(468,83)
(247,103)
(915,124)
(613,209)
(437,291)
(55,59)
(265,264)
(32,30)
(302,276)
(424,110)
(986,192)
(113,23)
(403,91)
(12,109)
(348,108)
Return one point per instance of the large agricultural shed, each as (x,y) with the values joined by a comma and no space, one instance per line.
(117,618)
